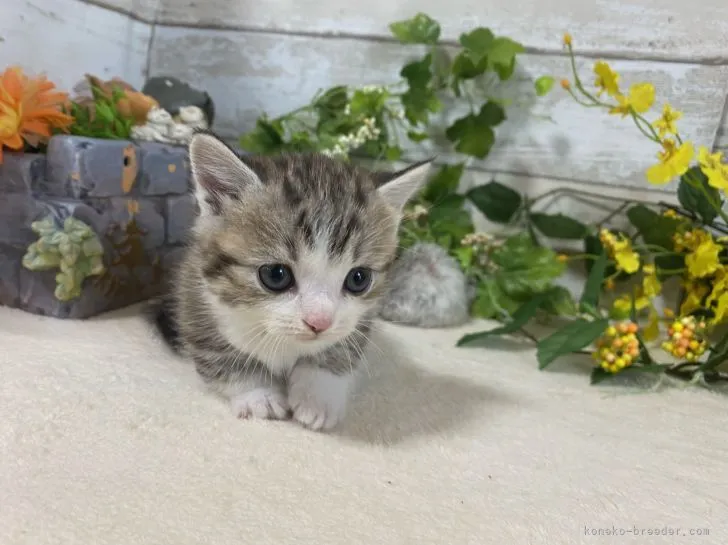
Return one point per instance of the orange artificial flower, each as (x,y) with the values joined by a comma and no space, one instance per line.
(29,109)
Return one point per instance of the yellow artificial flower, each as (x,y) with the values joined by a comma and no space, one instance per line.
(650,283)
(620,249)
(719,284)
(627,259)
(690,240)
(703,261)
(713,167)
(694,295)
(640,99)
(666,123)
(674,162)
(622,306)
(607,80)
(721,309)
(652,330)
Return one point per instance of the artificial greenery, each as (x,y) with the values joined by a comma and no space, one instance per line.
(101,117)
(74,249)
(615,316)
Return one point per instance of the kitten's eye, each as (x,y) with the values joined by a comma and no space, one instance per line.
(276,277)
(358,280)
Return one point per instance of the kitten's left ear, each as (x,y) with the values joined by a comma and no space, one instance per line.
(218,173)
(399,187)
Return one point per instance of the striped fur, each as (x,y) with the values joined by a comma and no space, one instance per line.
(319,216)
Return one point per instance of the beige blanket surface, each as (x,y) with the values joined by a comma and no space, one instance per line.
(106,438)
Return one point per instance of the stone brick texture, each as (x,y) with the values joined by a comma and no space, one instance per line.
(135,196)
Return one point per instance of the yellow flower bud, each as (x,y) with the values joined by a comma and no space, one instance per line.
(563,258)
(678,327)
(669,313)
(690,356)
(567,39)
(565,84)
(611,331)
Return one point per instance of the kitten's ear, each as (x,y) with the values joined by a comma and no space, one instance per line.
(218,173)
(399,187)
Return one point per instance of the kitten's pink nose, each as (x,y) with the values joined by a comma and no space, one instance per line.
(318,322)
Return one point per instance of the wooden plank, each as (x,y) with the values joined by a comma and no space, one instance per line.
(248,73)
(143,10)
(66,39)
(649,28)
(721,139)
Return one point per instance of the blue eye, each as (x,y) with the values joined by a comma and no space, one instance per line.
(276,277)
(358,280)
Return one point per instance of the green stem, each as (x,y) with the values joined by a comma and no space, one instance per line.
(654,137)
(638,120)
(577,81)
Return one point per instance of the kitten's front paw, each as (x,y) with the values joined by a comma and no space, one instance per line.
(260,403)
(318,398)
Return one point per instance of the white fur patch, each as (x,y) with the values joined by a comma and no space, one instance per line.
(317,397)
(262,402)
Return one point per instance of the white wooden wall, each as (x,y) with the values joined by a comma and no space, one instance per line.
(272,56)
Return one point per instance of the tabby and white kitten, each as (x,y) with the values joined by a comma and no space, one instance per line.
(284,273)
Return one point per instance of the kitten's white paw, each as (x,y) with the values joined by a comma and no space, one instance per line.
(318,398)
(260,403)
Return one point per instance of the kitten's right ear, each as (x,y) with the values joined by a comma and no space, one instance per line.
(218,173)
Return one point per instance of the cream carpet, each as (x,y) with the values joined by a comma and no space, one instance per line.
(105,438)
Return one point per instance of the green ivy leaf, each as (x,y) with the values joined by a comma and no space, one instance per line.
(266,137)
(497,202)
(418,73)
(491,302)
(393,153)
(464,255)
(502,56)
(444,183)
(593,287)
(560,302)
(477,44)
(558,226)
(694,198)
(570,338)
(419,100)
(420,29)
(331,103)
(543,85)
(473,134)
(417,136)
(463,68)
(653,227)
(524,268)
(519,319)
(657,230)
(448,218)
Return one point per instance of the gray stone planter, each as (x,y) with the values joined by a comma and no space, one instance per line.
(136,201)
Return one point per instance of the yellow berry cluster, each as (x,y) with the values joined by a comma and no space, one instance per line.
(686,338)
(618,347)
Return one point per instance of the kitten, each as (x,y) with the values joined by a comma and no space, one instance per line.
(284,273)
